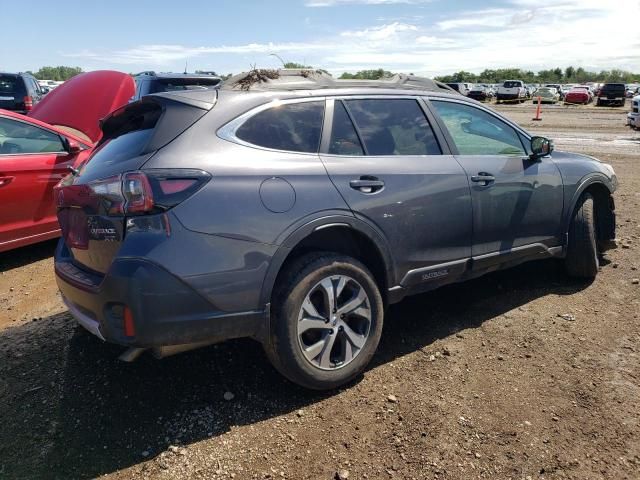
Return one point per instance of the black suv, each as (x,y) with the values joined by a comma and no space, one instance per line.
(152,82)
(612,94)
(19,92)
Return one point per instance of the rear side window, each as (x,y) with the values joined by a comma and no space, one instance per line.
(475,132)
(393,127)
(10,84)
(614,87)
(294,127)
(18,137)
(344,139)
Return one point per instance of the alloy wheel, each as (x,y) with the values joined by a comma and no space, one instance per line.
(334,322)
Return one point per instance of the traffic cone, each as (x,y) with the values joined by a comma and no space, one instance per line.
(538,111)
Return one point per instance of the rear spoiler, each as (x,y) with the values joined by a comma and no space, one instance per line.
(150,113)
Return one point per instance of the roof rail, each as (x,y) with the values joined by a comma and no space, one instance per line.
(309,79)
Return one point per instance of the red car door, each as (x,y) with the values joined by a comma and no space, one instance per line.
(32,160)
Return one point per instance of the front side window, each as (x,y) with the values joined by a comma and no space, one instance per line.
(476,132)
(19,137)
(393,127)
(294,127)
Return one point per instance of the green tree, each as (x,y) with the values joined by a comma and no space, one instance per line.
(59,73)
(569,72)
(297,65)
(367,75)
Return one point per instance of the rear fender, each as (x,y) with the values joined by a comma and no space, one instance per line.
(327,220)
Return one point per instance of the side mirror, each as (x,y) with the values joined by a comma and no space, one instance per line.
(71,146)
(540,147)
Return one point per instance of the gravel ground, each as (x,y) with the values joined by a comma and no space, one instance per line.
(531,376)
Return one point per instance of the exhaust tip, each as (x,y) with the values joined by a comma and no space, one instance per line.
(131,354)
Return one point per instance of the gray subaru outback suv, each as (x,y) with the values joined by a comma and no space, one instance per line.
(293,208)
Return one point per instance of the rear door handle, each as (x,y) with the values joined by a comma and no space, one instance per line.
(4,181)
(484,178)
(367,184)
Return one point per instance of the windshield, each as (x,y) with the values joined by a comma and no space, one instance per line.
(512,84)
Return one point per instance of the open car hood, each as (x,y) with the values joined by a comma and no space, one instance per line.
(80,103)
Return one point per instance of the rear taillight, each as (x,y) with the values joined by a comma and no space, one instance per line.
(28,103)
(134,193)
(137,193)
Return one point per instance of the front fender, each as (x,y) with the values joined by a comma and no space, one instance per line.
(583,184)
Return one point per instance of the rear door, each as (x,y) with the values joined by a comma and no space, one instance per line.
(386,161)
(517,202)
(32,161)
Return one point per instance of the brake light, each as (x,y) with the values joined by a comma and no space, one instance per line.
(137,193)
(28,102)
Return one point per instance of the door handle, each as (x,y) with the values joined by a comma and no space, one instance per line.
(4,181)
(484,178)
(367,184)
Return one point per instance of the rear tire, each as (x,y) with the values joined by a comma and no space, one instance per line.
(312,342)
(582,252)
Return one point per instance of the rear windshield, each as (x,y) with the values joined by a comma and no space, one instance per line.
(614,86)
(178,84)
(10,84)
(512,84)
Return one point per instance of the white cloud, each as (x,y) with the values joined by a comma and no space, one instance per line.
(531,34)
(383,32)
(166,54)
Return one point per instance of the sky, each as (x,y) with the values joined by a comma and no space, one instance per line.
(424,37)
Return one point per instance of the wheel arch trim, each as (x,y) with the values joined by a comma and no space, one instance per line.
(583,185)
(330,220)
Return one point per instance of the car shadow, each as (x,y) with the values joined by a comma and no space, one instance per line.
(72,410)
(20,257)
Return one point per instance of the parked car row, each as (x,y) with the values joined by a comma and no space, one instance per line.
(518,91)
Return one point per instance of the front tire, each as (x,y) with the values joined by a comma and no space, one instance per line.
(582,252)
(327,321)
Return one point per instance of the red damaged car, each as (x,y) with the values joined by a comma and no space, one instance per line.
(580,95)
(36,151)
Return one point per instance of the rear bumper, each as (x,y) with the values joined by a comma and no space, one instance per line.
(633,120)
(165,310)
(509,96)
(609,101)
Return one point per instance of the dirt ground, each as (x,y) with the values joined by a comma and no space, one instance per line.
(523,374)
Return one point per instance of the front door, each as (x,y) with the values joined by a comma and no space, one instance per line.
(387,163)
(32,161)
(517,202)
